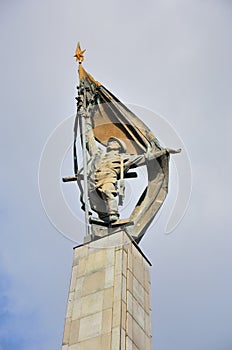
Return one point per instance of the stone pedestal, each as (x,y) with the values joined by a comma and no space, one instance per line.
(109,297)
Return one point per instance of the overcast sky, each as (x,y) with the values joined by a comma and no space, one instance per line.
(172,57)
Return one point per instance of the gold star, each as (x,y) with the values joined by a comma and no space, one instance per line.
(79,54)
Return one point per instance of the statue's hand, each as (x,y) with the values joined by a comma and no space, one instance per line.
(173,151)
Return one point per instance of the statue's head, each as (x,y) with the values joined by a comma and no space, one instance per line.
(114,143)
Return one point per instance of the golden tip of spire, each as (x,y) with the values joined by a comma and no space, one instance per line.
(79,54)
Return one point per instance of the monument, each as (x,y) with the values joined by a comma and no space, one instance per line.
(109,295)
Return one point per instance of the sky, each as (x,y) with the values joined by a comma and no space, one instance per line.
(172,57)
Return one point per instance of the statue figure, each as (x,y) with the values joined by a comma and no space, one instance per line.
(107,169)
(114,140)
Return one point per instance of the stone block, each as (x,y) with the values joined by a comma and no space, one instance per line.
(123,340)
(76,313)
(78,287)
(134,347)
(129,260)
(90,344)
(148,325)
(129,303)
(118,261)
(117,287)
(96,261)
(73,279)
(105,342)
(90,326)
(129,281)
(109,277)
(81,266)
(110,256)
(148,343)
(116,314)
(138,335)
(74,347)
(108,298)
(93,282)
(74,332)
(138,270)
(129,325)
(115,344)
(70,305)
(91,303)
(124,262)
(78,253)
(138,313)
(123,318)
(138,291)
(106,321)
(147,302)
(67,328)
(147,281)
(128,343)
(124,289)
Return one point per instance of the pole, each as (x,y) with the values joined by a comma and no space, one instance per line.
(86,199)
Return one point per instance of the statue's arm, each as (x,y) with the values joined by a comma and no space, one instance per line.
(91,143)
(151,154)
(139,160)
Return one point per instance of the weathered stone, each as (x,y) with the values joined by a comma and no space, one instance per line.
(81,266)
(115,344)
(90,344)
(138,336)
(129,281)
(123,340)
(124,288)
(124,263)
(78,287)
(90,326)
(76,309)
(91,303)
(110,256)
(129,303)
(105,342)
(67,328)
(106,321)
(93,282)
(118,262)
(73,279)
(138,291)
(96,261)
(74,332)
(70,305)
(108,298)
(118,287)
(138,313)
(129,325)
(117,313)
(128,343)
(109,277)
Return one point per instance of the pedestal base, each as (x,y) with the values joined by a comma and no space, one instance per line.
(109,297)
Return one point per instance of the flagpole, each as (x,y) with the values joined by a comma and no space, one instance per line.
(84,151)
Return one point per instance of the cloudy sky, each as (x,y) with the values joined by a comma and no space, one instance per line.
(172,57)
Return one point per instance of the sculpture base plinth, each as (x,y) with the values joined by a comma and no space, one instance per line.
(109,297)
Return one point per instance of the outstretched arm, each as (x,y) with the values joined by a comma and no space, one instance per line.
(91,143)
(139,160)
(151,154)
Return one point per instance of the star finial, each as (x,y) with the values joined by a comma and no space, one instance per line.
(79,54)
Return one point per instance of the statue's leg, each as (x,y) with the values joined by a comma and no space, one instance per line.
(109,194)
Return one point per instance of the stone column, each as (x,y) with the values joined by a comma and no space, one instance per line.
(109,297)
